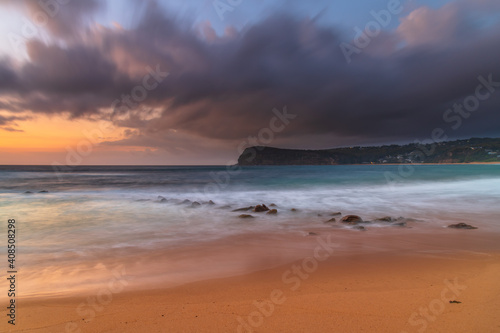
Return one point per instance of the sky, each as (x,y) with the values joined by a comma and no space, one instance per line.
(95,82)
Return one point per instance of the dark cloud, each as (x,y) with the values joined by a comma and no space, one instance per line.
(224,87)
(6,123)
(10,129)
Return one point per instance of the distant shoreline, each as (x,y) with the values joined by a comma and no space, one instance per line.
(224,166)
(371,164)
(468,163)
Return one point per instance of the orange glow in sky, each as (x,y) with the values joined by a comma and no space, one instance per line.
(49,134)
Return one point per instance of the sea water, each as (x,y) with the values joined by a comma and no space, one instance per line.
(92,220)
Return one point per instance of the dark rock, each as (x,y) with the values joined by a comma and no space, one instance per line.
(456,302)
(293,210)
(245,216)
(385,219)
(273,205)
(399,224)
(351,219)
(336,214)
(312,234)
(243,209)
(333,219)
(272,212)
(162,199)
(260,208)
(408,219)
(187,201)
(44,191)
(461,226)
(211,203)
(359,227)
(28,192)
(195,204)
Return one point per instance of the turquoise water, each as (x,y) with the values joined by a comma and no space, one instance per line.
(92,215)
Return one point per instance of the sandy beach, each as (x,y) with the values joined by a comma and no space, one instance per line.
(392,291)
(250,166)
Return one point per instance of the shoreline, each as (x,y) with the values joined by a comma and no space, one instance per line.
(247,253)
(371,164)
(352,287)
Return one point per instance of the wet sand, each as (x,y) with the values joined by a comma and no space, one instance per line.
(405,286)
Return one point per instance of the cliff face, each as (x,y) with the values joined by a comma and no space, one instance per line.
(460,151)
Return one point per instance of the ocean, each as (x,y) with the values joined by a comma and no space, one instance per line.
(76,226)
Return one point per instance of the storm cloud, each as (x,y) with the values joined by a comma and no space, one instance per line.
(223,86)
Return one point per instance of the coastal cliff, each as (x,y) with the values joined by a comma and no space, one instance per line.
(459,151)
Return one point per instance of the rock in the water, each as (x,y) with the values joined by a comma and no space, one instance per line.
(28,192)
(187,201)
(336,214)
(273,205)
(260,208)
(211,202)
(245,216)
(195,204)
(408,219)
(461,226)
(312,234)
(44,191)
(293,210)
(351,219)
(399,224)
(243,209)
(225,207)
(272,212)
(333,219)
(385,219)
(359,227)
(162,199)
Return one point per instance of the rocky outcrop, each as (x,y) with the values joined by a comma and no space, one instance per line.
(461,226)
(244,209)
(351,219)
(260,208)
(359,227)
(446,152)
(385,219)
